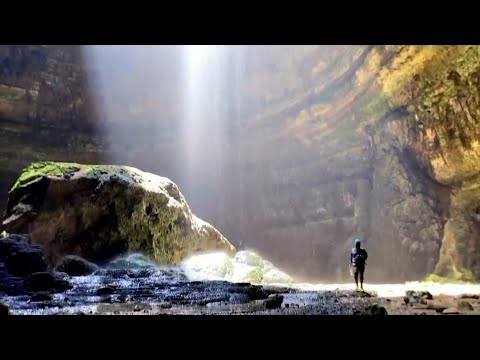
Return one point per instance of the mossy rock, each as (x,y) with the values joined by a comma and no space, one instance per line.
(42,168)
(445,279)
(101,211)
(255,276)
(460,251)
(464,305)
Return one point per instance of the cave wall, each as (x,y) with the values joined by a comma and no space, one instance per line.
(46,109)
(322,143)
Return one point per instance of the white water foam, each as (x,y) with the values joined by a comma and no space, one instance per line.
(245,266)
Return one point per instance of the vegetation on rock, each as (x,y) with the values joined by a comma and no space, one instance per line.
(438,85)
(464,305)
(459,277)
(43,168)
(110,210)
(445,96)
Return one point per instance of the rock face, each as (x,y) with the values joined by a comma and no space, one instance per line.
(322,143)
(98,212)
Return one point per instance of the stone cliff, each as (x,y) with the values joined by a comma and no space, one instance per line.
(317,144)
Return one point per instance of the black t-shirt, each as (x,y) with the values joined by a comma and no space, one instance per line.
(358,257)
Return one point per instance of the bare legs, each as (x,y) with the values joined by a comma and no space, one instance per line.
(358,274)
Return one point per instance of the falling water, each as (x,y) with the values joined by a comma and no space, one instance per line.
(203,107)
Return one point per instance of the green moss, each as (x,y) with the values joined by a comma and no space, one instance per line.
(253,259)
(464,305)
(445,94)
(42,168)
(155,230)
(90,169)
(255,276)
(374,108)
(462,276)
(120,216)
(227,268)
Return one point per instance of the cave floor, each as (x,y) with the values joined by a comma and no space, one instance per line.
(300,303)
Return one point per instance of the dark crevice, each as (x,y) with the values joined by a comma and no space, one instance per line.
(148,209)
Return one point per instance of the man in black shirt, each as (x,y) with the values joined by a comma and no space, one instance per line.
(358,258)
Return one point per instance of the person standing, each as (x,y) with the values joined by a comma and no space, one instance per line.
(358,258)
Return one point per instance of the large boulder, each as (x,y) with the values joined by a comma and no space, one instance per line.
(100,211)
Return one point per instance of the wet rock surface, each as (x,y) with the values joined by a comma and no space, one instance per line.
(19,258)
(41,296)
(274,301)
(75,266)
(4,310)
(135,286)
(45,281)
(374,309)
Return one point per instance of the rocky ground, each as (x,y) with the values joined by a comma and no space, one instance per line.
(132,285)
(465,304)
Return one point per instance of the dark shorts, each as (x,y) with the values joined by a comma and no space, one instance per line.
(356,270)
